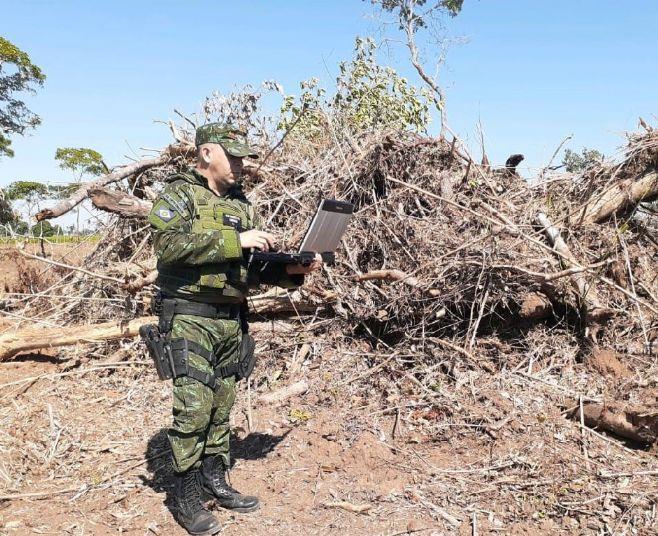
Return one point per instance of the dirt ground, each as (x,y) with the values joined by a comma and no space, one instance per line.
(84,452)
(83,448)
(20,274)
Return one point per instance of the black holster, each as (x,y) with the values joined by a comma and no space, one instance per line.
(157,346)
(170,356)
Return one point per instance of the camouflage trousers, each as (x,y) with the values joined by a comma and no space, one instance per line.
(201,415)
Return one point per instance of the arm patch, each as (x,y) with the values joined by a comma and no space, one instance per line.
(163,214)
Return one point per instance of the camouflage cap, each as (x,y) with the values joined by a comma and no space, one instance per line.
(226,135)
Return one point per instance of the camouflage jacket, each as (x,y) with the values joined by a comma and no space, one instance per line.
(196,237)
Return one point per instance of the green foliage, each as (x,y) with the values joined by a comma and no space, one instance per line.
(47,229)
(579,163)
(62,191)
(17,74)
(368,96)
(29,191)
(311,102)
(371,96)
(81,160)
(404,9)
(6,213)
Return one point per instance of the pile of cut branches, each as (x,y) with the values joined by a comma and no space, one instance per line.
(456,284)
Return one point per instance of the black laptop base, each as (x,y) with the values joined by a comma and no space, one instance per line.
(303,258)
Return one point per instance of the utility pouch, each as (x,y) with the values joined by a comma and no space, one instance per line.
(159,351)
(247,360)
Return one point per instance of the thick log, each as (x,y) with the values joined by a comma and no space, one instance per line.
(620,197)
(29,339)
(118,174)
(595,311)
(119,202)
(636,424)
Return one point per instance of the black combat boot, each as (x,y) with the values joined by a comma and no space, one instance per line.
(214,483)
(192,514)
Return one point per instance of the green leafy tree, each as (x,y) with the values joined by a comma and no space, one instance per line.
(371,96)
(17,75)
(368,96)
(82,162)
(62,191)
(415,15)
(407,8)
(30,192)
(6,213)
(579,163)
(46,229)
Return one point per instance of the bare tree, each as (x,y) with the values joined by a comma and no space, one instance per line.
(415,15)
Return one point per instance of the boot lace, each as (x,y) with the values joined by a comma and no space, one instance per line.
(192,492)
(219,480)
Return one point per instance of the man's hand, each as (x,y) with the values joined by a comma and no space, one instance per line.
(295,269)
(257,239)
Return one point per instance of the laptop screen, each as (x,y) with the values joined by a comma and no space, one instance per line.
(327,228)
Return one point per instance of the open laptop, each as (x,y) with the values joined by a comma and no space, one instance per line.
(322,236)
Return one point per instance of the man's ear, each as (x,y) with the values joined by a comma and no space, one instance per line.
(205,154)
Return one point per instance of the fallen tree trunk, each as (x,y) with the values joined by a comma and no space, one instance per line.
(620,197)
(594,310)
(636,424)
(121,173)
(119,202)
(28,339)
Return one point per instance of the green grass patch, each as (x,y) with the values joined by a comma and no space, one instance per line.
(61,239)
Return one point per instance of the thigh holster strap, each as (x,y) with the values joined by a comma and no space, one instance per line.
(180,349)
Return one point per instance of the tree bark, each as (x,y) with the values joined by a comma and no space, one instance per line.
(389,275)
(281,395)
(141,282)
(120,203)
(590,300)
(118,174)
(637,424)
(620,197)
(28,339)
(277,300)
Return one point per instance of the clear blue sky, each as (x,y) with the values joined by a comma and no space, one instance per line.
(532,72)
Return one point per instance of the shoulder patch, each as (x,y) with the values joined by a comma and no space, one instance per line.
(165,214)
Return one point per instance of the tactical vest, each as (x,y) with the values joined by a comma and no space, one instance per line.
(225,282)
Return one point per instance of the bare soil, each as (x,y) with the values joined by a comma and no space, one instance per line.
(83,447)
(20,274)
(92,446)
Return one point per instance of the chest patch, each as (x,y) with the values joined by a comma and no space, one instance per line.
(233,221)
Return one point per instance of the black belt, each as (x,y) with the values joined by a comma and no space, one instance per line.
(207,310)
(168,307)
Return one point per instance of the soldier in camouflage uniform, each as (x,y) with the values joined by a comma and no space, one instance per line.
(202,225)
